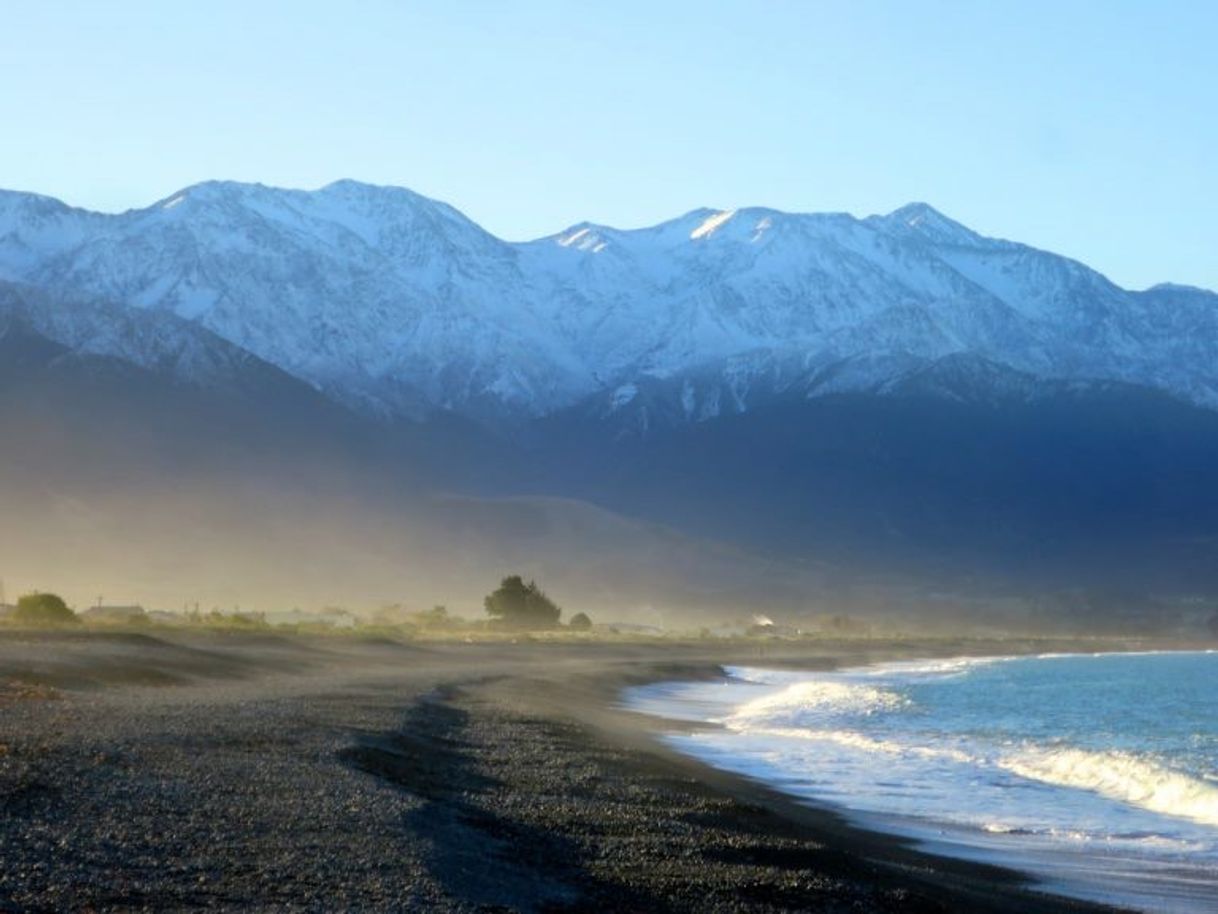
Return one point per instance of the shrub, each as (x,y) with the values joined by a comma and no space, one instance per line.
(580,622)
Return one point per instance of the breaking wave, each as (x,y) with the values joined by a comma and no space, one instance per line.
(1120,776)
(805,704)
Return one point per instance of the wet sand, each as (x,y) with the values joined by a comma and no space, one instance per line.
(187,771)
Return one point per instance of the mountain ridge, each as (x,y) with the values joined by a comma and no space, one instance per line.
(839,400)
(398,305)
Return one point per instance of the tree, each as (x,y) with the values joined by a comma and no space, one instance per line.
(580,622)
(43,609)
(520,605)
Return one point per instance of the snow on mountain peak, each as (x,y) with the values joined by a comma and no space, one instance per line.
(924,221)
(913,214)
(35,228)
(386,298)
(711,223)
(583,238)
(567,240)
(764,224)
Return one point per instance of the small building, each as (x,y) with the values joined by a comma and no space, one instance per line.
(116,615)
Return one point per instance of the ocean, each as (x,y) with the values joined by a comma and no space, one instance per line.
(1096,773)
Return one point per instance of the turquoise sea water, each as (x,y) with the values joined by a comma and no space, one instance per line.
(1099,773)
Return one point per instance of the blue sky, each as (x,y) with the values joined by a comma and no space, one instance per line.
(1090,128)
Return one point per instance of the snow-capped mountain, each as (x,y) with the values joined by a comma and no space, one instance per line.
(895,394)
(399,305)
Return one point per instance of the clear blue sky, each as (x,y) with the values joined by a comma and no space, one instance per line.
(1090,128)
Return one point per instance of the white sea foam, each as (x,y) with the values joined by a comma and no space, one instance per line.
(803,704)
(759,676)
(942,667)
(853,739)
(936,667)
(1120,776)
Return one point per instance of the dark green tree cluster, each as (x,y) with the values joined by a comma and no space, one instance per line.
(43,609)
(524,606)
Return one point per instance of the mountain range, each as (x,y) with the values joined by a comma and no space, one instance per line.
(892,395)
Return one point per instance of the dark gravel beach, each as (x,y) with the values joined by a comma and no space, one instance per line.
(268,773)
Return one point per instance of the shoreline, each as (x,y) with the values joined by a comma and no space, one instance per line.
(987,883)
(302,774)
(1056,869)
